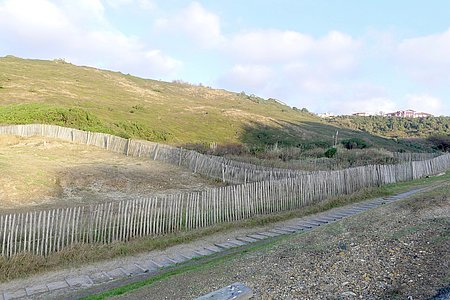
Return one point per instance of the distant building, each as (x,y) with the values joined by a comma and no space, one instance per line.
(361,114)
(326,115)
(409,113)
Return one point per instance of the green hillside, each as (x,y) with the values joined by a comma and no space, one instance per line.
(56,92)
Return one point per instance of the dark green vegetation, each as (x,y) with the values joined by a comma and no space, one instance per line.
(56,92)
(396,127)
(25,265)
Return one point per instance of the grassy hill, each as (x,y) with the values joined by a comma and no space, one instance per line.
(56,92)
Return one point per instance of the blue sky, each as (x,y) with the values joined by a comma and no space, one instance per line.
(328,56)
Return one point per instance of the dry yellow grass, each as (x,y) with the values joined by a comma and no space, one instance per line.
(46,172)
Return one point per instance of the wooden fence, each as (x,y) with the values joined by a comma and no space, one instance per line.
(211,166)
(221,168)
(47,231)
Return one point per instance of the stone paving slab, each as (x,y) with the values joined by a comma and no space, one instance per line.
(269,233)
(213,248)
(16,294)
(257,236)
(237,242)
(225,245)
(163,261)
(149,265)
(246,239)
(319,220)
(294,227)
(132,269)
(180,257)
(305,226)
(203,251)
(79,281)
(57,285)
(339,215)
(37,289)
(188,253)
(312,223)
(286,229)
(329,218)
(100,277)
(280,231)
(235,291)
(116,273)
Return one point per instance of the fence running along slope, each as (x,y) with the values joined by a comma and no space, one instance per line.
(211,166)
(47,231)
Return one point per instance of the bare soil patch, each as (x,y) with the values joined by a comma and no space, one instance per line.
(400,251)
(43,172)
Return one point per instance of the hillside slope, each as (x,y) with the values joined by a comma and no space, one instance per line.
(56,92)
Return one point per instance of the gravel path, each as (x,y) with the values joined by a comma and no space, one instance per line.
(398,251)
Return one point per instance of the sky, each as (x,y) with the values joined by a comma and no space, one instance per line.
(331,56)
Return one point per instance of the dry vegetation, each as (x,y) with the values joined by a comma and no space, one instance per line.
(47,173)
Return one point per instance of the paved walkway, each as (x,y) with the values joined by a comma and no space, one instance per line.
(70,282)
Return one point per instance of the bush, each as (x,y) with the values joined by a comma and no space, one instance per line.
(441,142)
(331,152)
(355,143)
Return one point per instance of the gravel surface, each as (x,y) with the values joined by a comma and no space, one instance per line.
(398,251)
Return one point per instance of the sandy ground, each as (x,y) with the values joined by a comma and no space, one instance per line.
(399,251)
(41,172)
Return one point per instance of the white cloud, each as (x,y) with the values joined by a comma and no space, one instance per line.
(142,4)
(79,32)
(269,46)
(302,67)
(198,23)
(425,103)
(427,58)
(248,77)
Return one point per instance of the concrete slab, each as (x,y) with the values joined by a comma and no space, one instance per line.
(188,253)
(79,281)
(163,260)
(328,218)
(319,220)
(235,291)
(15,294)
(246,239)
(279,231)
(225,245)
(116,273)
(149,265)
(213,248)
(37,289)
(132,269)
(236,242)
(179,257)
(257,236)
(269,234)
(100,277)
(304,226)
(203,251)
(286,229)
(295,227)
(311,223)
(57,285)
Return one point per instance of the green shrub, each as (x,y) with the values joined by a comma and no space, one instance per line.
(331,152)
(355,143)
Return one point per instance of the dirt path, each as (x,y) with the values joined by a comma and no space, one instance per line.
(399,251)
(40,172)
